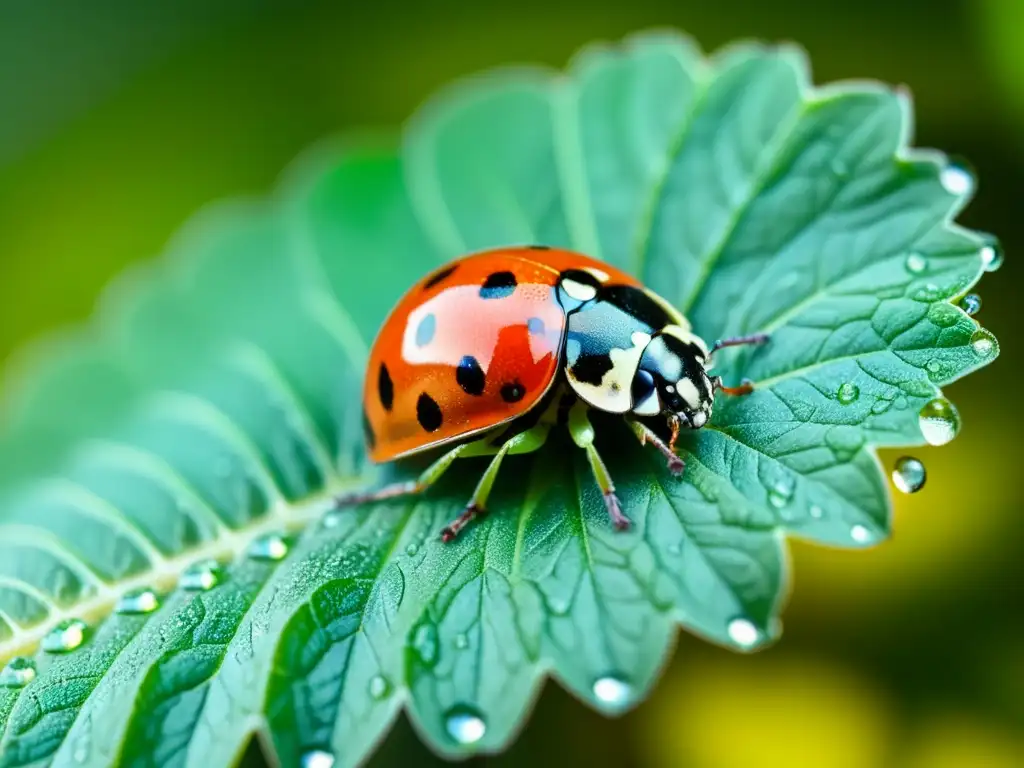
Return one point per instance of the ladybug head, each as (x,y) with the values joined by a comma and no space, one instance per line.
(671,379)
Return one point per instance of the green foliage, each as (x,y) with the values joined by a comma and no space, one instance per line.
(213,408)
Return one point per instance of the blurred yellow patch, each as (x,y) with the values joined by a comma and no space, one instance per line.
(754,711)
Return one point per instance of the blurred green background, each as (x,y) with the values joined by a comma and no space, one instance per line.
(118,119)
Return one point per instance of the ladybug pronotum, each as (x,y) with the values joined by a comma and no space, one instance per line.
(491,351)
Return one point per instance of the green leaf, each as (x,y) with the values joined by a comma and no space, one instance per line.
(212,409)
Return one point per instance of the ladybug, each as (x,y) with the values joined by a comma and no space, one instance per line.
(488,353)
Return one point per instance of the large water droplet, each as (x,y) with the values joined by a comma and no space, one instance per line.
(138,601)
(916,264)
(992,256)
(424,642)
(909,474)
(743,633)
(848,392)
(18,672)
(332,519)
(613,692)
(957,179)
(272,547)
(939,421)
(65,637)
(202,576)
(379,687)
(465,725)
(971,304)
(860,534)
(412,549)
(317,758)
(983,343)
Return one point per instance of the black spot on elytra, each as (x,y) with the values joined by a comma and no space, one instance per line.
(512,392)
(428,413)
(498,285)
(539,247)
(439,276)
(590,368)
(425,330)
(385,388)
(535,326)
(470,376)
(371,439)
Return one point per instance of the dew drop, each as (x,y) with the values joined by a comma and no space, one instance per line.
(933,366)
(957,179)
(138,601)
(992,256)
(424,642)
(202,576)
(317,758)
(939,421)
(558,606)
(860,534)
(983,343)
(848,393)
(971,304)
(332,520)
(817,512)
(613,692)
(943,315)
(272,547)
(909,474)
(461,641)
(412,549)
(379,687)
(780,494)
(465,725)
(743,633)
(916,264)
(65,637)
(18,672)
(675,549)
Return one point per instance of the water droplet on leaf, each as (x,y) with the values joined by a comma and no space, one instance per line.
(18,672)
(743,633)
(65,637)
(971,304)
(138,601)
(817,512)
(848,393)
(379,687)
(860,534)
(317,758)
(424,642)
(943,315)
(780,494)
(272,547)
(916,264)
(939,421)
(332,519)
(983,343)
(613,692)
(202,576)
(992,256)
(412,549)
(957,179)
(909,474)
(465,725)
(461,641)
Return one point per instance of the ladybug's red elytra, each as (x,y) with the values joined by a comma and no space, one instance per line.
(485,354)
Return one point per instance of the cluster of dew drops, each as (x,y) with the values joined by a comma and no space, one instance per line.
(939,419)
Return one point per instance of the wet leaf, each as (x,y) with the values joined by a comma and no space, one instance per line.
(165,474)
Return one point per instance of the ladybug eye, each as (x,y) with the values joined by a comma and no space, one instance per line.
(643,386)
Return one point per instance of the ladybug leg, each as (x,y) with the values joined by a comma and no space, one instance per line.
(582,432)
(647,435)
(525,442)
(429,476)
